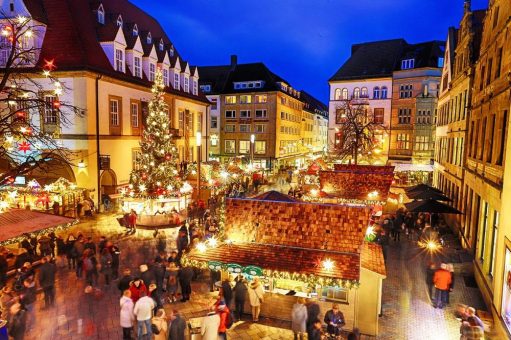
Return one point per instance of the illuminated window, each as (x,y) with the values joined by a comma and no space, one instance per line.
(245,99)
(152,70)
(119,60)
(137,66)
(260,147)
(114,112)
(230,99)
(101,14)
(134,115)
(407,64)
(261,98)
(230,146)
(244,146)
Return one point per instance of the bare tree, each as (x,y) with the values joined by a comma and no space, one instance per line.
(357,133)
(31,113)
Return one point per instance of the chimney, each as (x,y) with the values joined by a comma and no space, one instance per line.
(234,60)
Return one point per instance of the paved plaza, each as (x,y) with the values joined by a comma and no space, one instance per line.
(407,310)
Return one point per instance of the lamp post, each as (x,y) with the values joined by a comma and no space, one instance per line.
(198,137)
(252,141)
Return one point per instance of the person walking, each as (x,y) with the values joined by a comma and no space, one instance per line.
(132,221)
(430,273)
(471,331)
(177,326)
(106,265)
(124,282)
(18,322)
(256,298)
(143,311)
(137,287)
(223,311)
(116,254)
(78,249)
(299,319)
(227,291)
(210,325)
(127,318)
(172,272)
(471,314)
(147,274)
(71,253)
(89,263)
(28,298)
(185,278)
(47,280)
(442,281)
(160,323)
(240,295)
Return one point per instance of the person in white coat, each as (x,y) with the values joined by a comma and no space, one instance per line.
(127,317)
(256,297)
(209,327)
(299,319)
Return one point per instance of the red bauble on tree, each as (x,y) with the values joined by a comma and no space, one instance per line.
(168,157)
(24,147)
(144,176)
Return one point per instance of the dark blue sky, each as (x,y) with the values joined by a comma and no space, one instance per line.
(303,41)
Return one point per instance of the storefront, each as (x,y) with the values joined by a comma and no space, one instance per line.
(506,291)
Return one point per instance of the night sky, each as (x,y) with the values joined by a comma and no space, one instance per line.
(303,41)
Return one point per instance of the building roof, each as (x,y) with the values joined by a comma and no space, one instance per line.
(313,105)
(371,60)
(73,35)
(372,258)
(282,258)
(425,54)
(273,195)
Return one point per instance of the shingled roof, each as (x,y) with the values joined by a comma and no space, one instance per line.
(371,60)
(426,54)
(313,105)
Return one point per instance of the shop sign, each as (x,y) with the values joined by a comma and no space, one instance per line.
(214,265)
(234,268)
(253,271)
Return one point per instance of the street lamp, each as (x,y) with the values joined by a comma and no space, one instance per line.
(198,137)
(252,141)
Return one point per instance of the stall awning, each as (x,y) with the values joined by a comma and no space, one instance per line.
(346,266)
(372,258)
(402,167)
(17,222)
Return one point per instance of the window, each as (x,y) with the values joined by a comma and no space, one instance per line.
(364,93)
(187,84)
(244,127)
(344,94)
(101,15)
(214,122)
(356,93)
(335,294)
(440,62)
(165,75)
(214,140)
(230,99)
(260,147)
(403,141)
(199,121)
(161,45)
(405,91)
(488,76)
(245,114)
(340,115)
(114,112)
(135,30)
(260,113)
(134,115)
(50,111)
(404,116)
(483,233)
(137,67)
(230,146)
(214,103)
(496,17)
(379,115)
(230,114)
(245,99)
(503,129)
(260,128)
(119,21)
(149,38)
(244,146)
(499,63)
(407,64)
(152,70)
(119,60)
(176,81)
(181,120)
(337,95)
(261,98)
(376,93)
(194,87)
(136,155)
(494,242)
(422,143)
(383,92)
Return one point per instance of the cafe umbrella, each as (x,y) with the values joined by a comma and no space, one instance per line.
(421,187)
(428,194)
(432,207)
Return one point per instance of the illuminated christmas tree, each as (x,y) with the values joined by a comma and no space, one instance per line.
(157,173)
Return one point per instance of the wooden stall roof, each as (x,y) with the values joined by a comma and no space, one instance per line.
(372,258)
(282,258)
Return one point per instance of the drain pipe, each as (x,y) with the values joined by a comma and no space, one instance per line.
(98,158)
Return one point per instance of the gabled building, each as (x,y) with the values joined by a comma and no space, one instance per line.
(259,116)
(106,54)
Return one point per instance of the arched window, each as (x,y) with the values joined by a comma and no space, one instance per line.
(119,21)
(345,94)
(101,14)
(337,95)
(356,93)
(383,92)
(363,93)
(376,92)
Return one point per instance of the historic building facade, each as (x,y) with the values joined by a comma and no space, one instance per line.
(106,54)
(262,118)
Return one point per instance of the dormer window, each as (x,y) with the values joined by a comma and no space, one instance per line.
(176,81)
(149,39)
(162,45)
(101,14)
(119,21)
(186,84)
(407,64)
(135,30)
(171,51)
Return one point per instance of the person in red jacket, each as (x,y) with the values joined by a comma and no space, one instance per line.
(442,280)
(223,311)
(136,287)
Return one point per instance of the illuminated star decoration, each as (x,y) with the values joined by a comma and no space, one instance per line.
(24,147)
(49,65)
